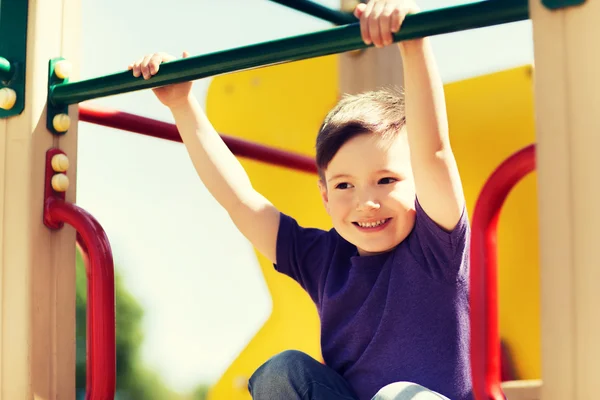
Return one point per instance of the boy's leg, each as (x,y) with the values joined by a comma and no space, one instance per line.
(293,375)
(407,391)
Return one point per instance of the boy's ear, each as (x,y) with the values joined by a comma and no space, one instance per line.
(324,196)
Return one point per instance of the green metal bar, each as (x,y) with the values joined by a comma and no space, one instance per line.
(556,4)
(6,70)
(319,11)
(13,47)
(336,40)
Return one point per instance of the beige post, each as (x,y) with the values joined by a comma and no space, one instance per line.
(567,95)
(37,266)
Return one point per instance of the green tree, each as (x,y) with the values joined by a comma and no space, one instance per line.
(201,392)
(134,381)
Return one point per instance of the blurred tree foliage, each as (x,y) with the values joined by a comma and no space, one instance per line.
(134,380)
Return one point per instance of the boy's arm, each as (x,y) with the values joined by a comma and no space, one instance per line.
(437,181)
(225,178)
(219,170)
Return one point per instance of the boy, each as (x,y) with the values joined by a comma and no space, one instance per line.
(390,280)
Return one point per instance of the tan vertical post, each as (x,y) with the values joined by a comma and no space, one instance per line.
(371,68)
(567,95)
(37,266)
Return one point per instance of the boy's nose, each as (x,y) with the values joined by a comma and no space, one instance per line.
(368,204)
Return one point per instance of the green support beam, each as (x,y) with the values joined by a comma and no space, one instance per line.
(336,40)
(556,4)
(53,110)
(6,70)
(13,52)
(319,11)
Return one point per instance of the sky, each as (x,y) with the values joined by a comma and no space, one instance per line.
(179,254)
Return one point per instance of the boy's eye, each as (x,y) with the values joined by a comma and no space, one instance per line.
(343,185)
(387,181)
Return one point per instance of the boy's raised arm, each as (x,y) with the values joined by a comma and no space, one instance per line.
(437,181)
(217,167)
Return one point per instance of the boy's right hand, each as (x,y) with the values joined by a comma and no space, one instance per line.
(171,95)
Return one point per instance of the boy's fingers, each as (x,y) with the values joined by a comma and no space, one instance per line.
(359,10)
(164,57)
(158,59)
(150,64)
(185,54)
(364,31)
(154,63)
(395,21)
(364,23)
(385,27)
(144,66)
(136,68)
(374,28)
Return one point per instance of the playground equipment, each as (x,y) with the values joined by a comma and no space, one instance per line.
(331,41)
(37,356)
(485,337)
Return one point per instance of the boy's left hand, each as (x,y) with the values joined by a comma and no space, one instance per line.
(379,19)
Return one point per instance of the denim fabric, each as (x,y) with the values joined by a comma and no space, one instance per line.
(293,375)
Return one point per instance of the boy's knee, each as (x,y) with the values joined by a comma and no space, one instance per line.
(284,362)
(406,391)
(277,377)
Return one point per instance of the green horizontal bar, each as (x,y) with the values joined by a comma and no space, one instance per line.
(336,40)
(556,4)
(319,11)
(6,70)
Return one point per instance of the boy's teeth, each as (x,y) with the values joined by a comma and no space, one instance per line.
(371,224)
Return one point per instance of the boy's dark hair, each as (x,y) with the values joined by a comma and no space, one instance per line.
(379,112)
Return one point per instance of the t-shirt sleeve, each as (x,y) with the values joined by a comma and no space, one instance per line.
(445,254)
(303,253)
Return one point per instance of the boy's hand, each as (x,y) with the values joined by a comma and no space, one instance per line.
(380,18)
(170,95)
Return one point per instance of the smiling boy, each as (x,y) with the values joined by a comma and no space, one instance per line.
(390,279)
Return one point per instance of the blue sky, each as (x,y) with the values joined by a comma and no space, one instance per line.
(180,255)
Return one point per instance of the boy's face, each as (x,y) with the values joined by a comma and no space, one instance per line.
(369,192)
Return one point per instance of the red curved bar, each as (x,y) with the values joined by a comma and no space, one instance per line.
(485,336)
(101,350)
(163,130)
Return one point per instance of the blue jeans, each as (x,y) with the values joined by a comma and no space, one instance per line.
(293,375)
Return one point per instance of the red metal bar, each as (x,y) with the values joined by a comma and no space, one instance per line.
(163,130)
(101,350)
(485,336)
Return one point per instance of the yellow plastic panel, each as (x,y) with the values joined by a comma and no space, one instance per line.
(282,106)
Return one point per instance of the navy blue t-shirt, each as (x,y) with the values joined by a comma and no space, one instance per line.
(398,316)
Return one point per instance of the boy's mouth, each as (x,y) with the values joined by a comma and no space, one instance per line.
(372,225)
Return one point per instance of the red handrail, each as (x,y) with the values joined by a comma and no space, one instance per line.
(163,130)
(101,350)
(485,336)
